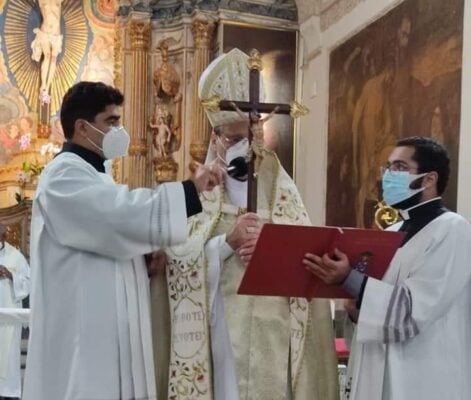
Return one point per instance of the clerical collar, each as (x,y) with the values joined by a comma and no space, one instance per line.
(421,209)
(94,159)
(419,216)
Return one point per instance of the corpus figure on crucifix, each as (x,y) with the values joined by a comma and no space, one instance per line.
(48,42)
(256,127)
(244,347)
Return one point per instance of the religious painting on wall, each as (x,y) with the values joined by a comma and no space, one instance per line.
(399,77)
(79,36)
(279,57)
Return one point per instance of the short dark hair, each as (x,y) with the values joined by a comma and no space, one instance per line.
(85,100)
(430,156)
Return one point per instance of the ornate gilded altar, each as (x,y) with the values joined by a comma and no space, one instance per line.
(166,121)
(161,50)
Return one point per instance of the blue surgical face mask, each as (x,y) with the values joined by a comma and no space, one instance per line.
(396,186)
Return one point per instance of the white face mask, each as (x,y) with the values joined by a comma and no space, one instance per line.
(115,142)
(240,149)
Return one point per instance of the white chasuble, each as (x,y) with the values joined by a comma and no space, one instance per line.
(90,320)
(230,347)
(12,292)
(412,337)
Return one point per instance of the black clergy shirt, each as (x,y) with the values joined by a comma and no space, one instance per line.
(415,218)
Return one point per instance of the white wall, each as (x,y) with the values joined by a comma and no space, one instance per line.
(311,145)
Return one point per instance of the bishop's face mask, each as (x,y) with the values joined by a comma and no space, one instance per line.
(236,156)
(240,149)
(115,141)
(396,186)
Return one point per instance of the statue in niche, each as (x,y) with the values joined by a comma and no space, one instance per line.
(162,134)
(48,43)
(166,121)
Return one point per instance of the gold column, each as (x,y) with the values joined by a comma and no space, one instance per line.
(137,164)
(202,31)
(118,84)
(118,56)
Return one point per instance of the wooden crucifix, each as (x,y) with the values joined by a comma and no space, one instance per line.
(254,107)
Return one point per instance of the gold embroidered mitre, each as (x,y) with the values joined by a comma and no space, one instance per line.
(225,78)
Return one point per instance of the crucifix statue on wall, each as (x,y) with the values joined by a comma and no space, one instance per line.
(254,107)
(46,48)
(48,42)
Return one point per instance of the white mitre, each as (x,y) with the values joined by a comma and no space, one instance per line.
(228,78)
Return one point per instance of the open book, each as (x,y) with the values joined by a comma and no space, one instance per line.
(276,268)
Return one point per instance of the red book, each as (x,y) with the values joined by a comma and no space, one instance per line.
(276,268)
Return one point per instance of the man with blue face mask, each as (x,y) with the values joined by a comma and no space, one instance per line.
(413,327)
(240,347)
(90,334)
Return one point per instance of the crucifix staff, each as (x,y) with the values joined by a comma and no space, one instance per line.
(254,107)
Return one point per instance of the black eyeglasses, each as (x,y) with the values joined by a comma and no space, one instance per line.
(397,166)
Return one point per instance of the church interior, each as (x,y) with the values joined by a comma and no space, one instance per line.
(364,74)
